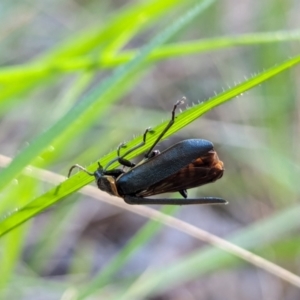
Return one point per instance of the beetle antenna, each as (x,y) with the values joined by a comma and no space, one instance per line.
(169,125)
(81,168)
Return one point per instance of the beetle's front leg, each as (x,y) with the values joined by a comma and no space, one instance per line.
(122,161)
(121,158)
(125,162)
(141,144)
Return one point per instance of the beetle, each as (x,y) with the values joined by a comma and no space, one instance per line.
(187,164)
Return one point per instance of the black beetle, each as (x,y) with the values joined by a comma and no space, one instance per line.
(187,164)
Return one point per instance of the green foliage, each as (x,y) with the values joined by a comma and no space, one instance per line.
(80,121)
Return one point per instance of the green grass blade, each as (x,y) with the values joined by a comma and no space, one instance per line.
(79,180)
(87,120)
(9,74)
(86,42)
(138,13)
(11,245)
(90,102)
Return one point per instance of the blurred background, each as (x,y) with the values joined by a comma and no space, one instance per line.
(45,70)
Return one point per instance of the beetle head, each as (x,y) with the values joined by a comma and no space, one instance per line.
(107,180)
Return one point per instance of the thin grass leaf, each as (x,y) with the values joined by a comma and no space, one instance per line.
(77,129)
(79,180)
(11,246)
(90,102)
(83,43)
(169,51)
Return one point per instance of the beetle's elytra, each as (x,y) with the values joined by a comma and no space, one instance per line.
(187,164)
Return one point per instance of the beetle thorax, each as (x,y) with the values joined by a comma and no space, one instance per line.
(108,185)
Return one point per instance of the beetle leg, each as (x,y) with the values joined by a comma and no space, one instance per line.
(115,172)
(141,144)
(125,162)
(169,125)
(122,145)
(183,193)
(148,201)
(121,159)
